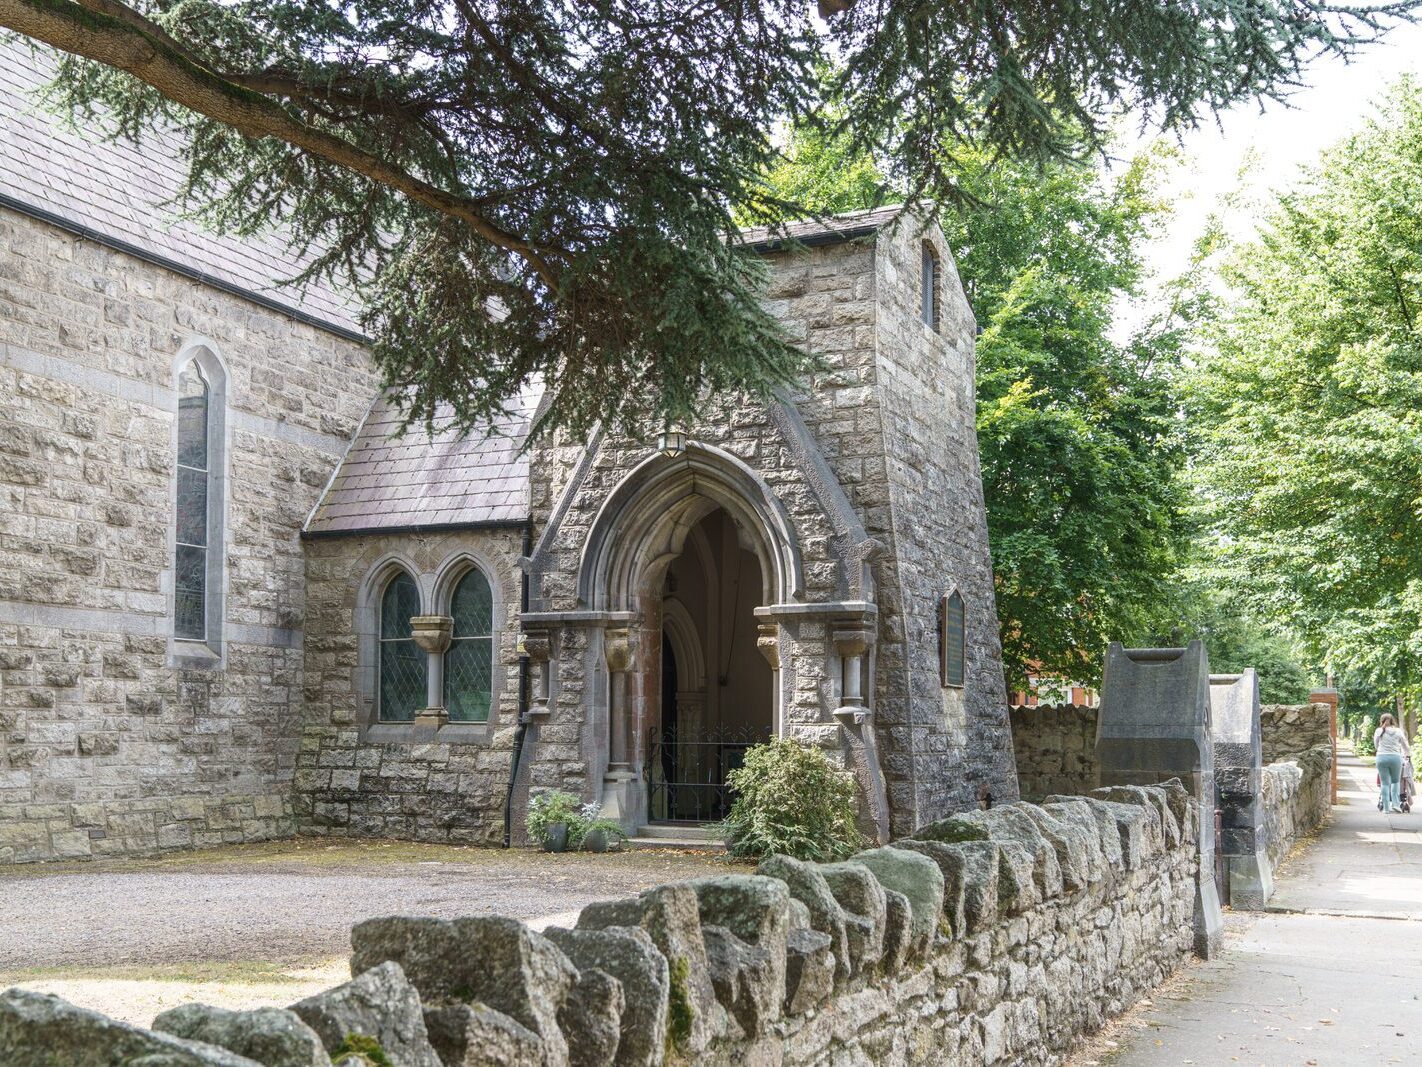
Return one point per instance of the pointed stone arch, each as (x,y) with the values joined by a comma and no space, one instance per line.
(644,524)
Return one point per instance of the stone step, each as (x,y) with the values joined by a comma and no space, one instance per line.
(682,830)
(698,838)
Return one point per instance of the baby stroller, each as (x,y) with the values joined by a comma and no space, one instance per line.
(1405,788)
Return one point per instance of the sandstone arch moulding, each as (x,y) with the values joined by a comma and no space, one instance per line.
(644,523)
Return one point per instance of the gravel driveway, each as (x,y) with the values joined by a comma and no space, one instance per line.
(270,923)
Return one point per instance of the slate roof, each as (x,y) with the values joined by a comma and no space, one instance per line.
(844,227)
(118,192)
(388,483)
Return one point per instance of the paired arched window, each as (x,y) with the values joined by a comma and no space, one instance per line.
(469,662)
(198,534)
(403,668)
(403,685)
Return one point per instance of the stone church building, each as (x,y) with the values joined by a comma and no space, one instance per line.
(235,606)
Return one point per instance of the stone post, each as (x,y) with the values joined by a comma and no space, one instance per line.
(1239,760)
(1328,695)
(1154,725)
(432,633)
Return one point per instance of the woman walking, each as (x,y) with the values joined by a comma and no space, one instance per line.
(1390,744)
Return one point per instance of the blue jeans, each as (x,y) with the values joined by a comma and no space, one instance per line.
(1390,771)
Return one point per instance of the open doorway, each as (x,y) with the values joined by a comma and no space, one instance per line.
(716,693)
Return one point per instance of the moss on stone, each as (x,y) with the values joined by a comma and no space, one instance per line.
(680,1015)
(363,1049)
(951,831)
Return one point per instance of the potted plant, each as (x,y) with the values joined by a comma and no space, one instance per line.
(552,817)
(594,833)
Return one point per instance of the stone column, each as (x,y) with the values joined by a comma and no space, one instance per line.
(767,643)
(617,651)
(432,633)
(852,643)
(852,640)
(538,645)
(619,793)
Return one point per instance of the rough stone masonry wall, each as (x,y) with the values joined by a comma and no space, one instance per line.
(825,297)
(348,783)
(892,414)
(996,937)
(105,748)
(959,737)
(1288,730)
(1055,748)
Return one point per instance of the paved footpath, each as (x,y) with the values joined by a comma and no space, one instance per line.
(1332,974)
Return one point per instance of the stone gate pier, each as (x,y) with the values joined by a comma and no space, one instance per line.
(1154,725)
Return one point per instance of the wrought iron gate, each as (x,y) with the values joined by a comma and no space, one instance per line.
(686,773)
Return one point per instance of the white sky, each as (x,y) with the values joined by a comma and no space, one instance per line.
(1337,98)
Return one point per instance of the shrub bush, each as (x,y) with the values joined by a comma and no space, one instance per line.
(789,798)
(549,808)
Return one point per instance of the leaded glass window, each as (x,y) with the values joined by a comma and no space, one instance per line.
(402,663)
(194,485)
(469,662)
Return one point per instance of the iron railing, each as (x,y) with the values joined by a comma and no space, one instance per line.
(686,773)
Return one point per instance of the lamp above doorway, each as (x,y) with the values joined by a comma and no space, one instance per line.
(671,442)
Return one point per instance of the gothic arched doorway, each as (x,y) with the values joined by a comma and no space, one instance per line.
(716,689)
(702,518)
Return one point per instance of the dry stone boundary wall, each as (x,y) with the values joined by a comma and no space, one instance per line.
(1295,796)
(991,937)
(1055,748)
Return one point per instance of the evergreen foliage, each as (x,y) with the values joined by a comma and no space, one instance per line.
(790,799)
(524,191)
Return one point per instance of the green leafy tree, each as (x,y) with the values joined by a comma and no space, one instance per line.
(528,190)
(1236,638)
(1078,433)
(1308,402)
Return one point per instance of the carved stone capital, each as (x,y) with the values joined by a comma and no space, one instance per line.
(432,632)
(538,644)
(767,640)
(853,640)
(617,650)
